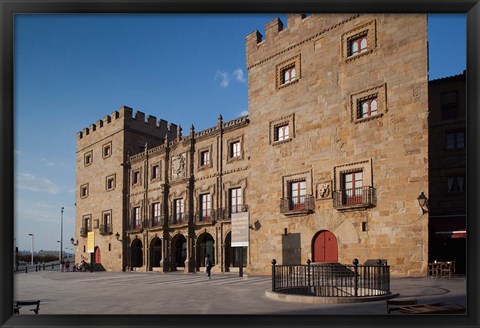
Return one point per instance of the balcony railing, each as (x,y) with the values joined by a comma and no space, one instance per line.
(83,232)
(155,222)
(296,205)
(205,216)
(179,218)
(135,226)
(354,198)
(225,214)
(105,229)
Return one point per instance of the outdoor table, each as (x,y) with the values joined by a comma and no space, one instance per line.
(433,308)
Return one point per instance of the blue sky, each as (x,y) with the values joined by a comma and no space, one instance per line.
(71,70)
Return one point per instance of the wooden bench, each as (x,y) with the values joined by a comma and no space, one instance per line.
(395,305)
(19,304)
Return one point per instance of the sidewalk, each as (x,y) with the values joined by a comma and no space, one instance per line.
(180,293)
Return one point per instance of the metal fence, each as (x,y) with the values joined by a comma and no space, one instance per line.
(331,279)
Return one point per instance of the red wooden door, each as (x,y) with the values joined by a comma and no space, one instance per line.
(325,248)
(97,255)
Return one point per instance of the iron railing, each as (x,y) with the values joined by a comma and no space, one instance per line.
(83,232)
(357,197)
(205,216)
(135,226)
(155,222)
(179,218)
(304,203)
(331,279)
(105,229)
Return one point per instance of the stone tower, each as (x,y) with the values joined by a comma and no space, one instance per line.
(338,135)
(101,181)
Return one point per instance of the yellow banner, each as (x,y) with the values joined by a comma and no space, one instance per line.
(91,242)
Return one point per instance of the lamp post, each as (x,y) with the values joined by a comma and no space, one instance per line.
(33,238)
(59,250)
(61,237)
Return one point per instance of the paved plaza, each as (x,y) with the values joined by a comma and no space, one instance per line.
(193,293)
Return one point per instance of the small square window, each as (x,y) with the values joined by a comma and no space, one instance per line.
(288,72)
(155,171)
(282,132)
(110,182)
(456,140)
(367,107)
(84,191)
(456,184)
(88,159)
(204,158)
(107,150)
(357,44)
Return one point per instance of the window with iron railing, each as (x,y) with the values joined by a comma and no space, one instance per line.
(179,210)
(360,197)
(156,215)
(137,221)
(205,207)
(297,194)
(236,200)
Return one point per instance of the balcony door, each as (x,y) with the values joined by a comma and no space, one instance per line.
(353,188)
(325,247)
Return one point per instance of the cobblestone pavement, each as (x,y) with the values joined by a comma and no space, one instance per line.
(193,293)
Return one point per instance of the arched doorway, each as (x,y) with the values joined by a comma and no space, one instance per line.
(98,257)
(179,250)
(137,253)
(155,252)
(325,247)
(205,245)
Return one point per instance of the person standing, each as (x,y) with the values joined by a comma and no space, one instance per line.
(208,265)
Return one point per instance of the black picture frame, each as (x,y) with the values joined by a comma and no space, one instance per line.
(11,7)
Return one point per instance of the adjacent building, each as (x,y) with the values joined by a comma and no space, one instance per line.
(327,166)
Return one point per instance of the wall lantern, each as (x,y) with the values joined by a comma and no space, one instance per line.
(74,242)
(423,202)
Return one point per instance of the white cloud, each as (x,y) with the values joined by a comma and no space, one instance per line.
(223,78)
(245,112)
(238,75)
(25,181)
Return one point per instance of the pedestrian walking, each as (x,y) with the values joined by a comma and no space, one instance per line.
(67,266)
(208,265)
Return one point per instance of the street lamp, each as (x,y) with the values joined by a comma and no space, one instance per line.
(61,237)
(33,238)
(59,251)
(423,202)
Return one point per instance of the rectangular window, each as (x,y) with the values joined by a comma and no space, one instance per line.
(456,184)
(88,159)
(137,222)
(352,188)
(84,191)
(449,105)
(179,206)
(107,222)
(236,201)
(357,44)
(456,140)
(288,74)
(367,107)
(135,177)
(205,206)
(204,158)
(156,214)
(235,149)
(88,224)
(281,132)
(107,150)
(155,171)
(110,185)
(298,192)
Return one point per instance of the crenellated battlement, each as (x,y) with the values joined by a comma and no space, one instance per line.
(279,39)
(125,116)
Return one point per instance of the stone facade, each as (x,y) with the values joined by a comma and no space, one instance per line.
(328,165)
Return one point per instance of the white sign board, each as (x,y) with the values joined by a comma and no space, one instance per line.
(240,231)
(91,242)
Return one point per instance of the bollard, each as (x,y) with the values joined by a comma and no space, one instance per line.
(273,274)
(36,268)
(52,266)
(355,263)
(43,266)
(26,269)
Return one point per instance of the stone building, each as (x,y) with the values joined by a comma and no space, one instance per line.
(327,166)
(447,170)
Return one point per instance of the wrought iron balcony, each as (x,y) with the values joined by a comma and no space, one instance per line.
(105,229)
(346,199)
(179,218)
(83,232)
(135,227)
(297,205)
(155,222)
(206,216)
(225,214)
